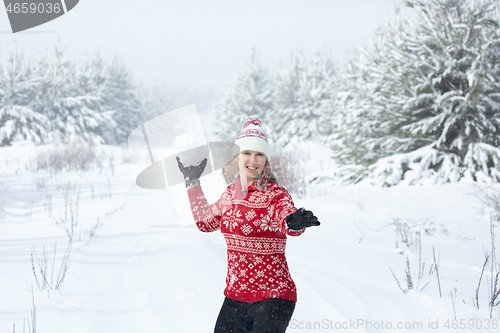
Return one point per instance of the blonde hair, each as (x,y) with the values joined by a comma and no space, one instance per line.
(231,172)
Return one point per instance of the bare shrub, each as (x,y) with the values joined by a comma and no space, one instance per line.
(494,272)
(48,273)
(436,269)
(32,327)
(409,231)
(486,261)
(45,273)
(408,278)
(495,295)
(47,202)
(453,295)
(32,323)
(411,284)
(491,264)
(490,198)
(94,228)
(77,155)
(289,171)
(363,229)
(69,222)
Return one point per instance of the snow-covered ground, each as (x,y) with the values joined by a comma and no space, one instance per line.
(132,269)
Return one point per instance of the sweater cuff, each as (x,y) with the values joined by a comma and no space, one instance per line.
(295,232)
(291,232)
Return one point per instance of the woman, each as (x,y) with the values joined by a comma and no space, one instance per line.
(255,215)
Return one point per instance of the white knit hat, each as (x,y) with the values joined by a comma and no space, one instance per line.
(253,137)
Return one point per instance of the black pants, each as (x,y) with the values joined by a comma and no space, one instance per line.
(269,316)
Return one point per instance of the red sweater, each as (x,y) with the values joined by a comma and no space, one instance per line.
(254,228)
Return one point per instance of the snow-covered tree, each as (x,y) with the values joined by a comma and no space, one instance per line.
(287,89)
(251,93)
(429,89)
(72,112)
(18,120)
(50,99)
(119,98)
(158,99)
(368,92)
(303,98)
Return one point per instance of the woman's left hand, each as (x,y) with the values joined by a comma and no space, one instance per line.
(301,219)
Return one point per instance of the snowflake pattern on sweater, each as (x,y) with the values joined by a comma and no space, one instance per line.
(253,225)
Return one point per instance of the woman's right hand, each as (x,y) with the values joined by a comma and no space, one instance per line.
(191,173)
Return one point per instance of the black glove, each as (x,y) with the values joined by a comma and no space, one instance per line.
(192,173)
(301,219)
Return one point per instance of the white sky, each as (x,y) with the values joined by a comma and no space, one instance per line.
(203,43)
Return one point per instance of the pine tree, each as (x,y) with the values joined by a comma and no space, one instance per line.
(50,99)
(158,99)
(368,98)
(18,120)
(69,97)
(428,90)
(120,99)
(250,94)
(307,120)
(286,94)
(303,101)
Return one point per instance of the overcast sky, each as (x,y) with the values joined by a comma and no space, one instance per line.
(203,43)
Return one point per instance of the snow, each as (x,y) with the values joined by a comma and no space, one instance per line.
(141,272)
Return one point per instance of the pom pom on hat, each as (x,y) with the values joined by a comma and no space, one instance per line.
(252,120)
(253,136)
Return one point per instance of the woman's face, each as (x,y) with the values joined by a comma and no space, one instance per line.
(253,162)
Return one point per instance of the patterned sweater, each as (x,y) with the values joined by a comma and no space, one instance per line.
(253,225)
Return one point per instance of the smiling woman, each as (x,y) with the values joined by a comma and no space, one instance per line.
(255,214)
(253,162)
(254,150)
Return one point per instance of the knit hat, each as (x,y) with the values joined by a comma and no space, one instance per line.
(253,137)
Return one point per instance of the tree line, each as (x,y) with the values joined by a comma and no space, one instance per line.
(46,98)
(421,101)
